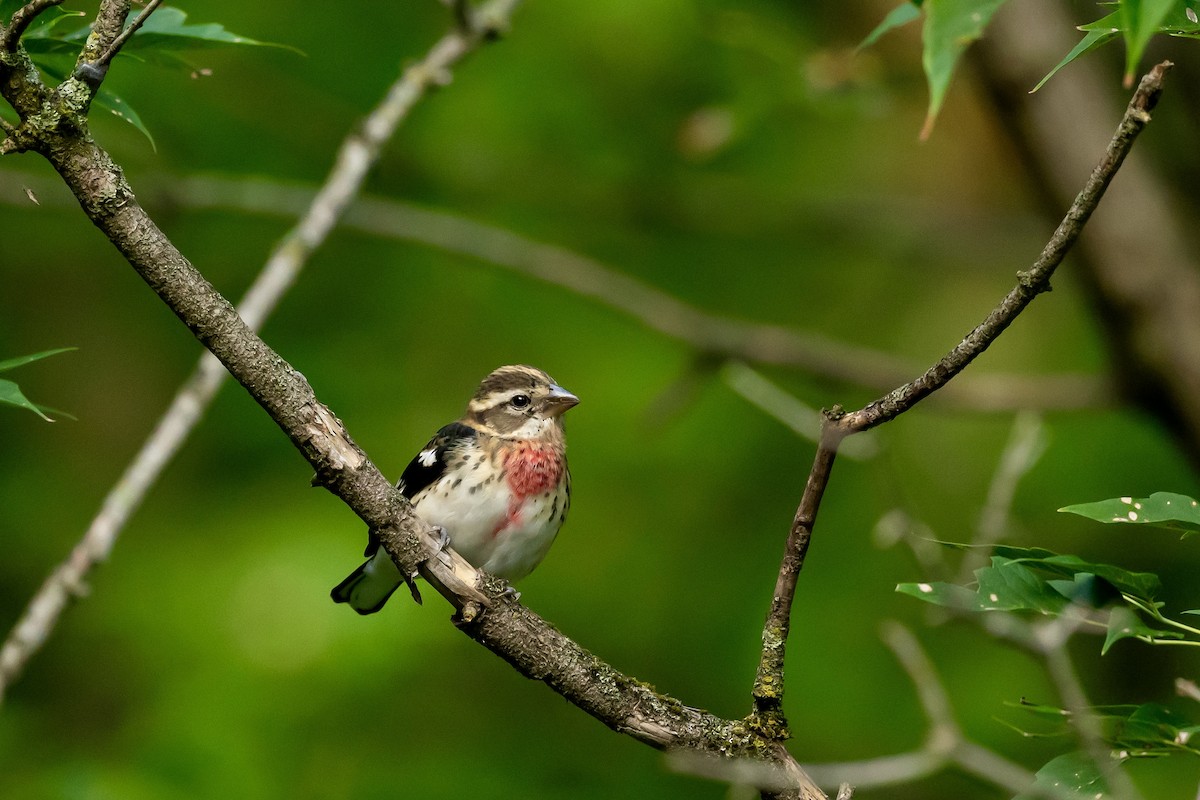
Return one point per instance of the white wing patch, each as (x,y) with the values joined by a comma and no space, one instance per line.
(427,457)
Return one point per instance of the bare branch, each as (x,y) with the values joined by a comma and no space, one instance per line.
(10,37)
(1150,316)
(106,30)
(1050,639)
(358,153)
(787,408)
(517,634)
(1030,283)
(100,65)
(768,683)
(945,745)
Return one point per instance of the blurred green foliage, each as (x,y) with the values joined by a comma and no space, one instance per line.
(736,155)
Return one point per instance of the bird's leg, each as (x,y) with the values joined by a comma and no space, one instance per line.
(443,537)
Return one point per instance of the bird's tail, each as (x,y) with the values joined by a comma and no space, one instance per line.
(369,587)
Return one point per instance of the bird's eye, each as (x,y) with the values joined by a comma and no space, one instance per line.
(520,401)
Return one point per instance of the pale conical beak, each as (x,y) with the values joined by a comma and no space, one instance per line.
(559,400)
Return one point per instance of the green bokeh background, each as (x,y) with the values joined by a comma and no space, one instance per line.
(207,660)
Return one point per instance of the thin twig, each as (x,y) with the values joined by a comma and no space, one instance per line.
(1050,639)
(1026,443)
(768,680)
(945,745)
(768,683)
(357,155)
(1032,282)
(1149,317)
(773,400)
(10,37)
(107,28)
(114,48)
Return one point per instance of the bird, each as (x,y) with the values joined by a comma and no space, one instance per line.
(495,483)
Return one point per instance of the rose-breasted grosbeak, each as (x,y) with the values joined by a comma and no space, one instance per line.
(496,482)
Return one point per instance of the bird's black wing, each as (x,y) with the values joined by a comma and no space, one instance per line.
(429,465)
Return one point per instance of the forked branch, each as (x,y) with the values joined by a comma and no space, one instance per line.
(768,683)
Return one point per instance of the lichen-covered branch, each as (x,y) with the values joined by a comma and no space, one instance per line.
(358,154)
(484,611)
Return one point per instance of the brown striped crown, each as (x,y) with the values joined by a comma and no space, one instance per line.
(519,402)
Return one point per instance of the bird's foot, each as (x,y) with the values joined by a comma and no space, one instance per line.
(443,545)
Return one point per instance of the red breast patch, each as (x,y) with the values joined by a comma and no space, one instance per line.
(532,469)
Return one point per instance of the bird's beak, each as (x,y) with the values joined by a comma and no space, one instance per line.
(559,400)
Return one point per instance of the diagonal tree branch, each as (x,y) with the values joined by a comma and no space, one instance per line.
(355,158)
(768,683)
(1149,315)
(489,616)
(22,18)
(101,63)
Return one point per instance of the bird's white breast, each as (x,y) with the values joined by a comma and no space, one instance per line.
(486,527)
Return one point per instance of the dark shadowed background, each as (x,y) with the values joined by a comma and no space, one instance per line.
(737,155)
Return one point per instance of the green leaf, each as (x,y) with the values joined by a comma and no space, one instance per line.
(947,595)
(1041,710)
(1179,23)
(21,361)
(1005,586)
(1092,39)
(163,39)
(899,16)
(1141,19)
(1137,21)
(43,22)
(117,106)
(1073,775)
(1124,623)
(1087,589)
(1144,586)
(1153,729)
(167,33)
(950,27)
(1135,730)
(1011,586)
(1160,510)
(10,394)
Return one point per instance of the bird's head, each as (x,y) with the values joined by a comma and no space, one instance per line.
(519,402)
